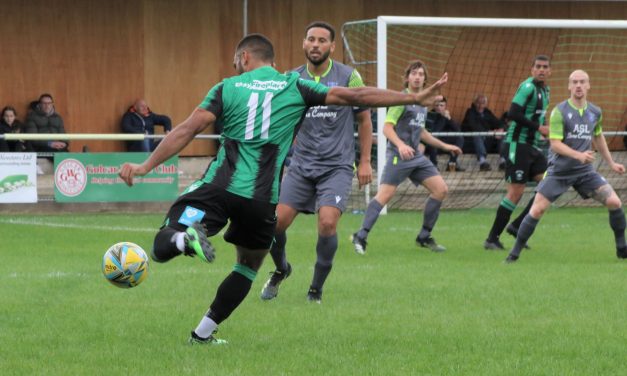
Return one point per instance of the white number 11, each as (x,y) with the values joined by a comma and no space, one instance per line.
(253,102)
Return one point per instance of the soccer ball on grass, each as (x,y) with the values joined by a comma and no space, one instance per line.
(125,265)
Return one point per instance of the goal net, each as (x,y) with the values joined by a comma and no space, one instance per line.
(491,57)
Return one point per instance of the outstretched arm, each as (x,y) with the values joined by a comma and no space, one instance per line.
(171,145)
(373,97)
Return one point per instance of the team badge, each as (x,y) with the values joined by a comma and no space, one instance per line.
(191,215)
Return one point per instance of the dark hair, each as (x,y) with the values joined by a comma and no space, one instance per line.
(8,108)
(414,65)
(541,58)
(45,95)
(258,45)
(323,25)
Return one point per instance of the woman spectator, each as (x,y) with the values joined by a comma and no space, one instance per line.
(10,124)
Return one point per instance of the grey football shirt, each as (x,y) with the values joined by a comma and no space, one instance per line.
(409,121)
(575,127)
(326,135)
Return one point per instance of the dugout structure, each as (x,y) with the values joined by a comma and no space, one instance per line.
(492,56)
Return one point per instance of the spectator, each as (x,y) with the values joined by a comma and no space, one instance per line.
(479,118)
(10,124)
(439,120)
(139,119)
(42,118)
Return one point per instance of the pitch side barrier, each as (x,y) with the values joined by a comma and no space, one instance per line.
(141,137)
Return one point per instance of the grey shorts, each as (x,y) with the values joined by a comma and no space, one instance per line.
(553,187)
(416,169)
(308,193)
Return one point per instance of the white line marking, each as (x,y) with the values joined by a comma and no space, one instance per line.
(78,226)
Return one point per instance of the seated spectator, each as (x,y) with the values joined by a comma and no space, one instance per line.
(10,124)
(139,119)
(439,120)
(42,118)
(479,118)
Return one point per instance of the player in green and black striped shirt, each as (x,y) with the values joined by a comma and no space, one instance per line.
(259,108)
(524,161)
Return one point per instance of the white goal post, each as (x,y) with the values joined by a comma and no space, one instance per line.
(384,38)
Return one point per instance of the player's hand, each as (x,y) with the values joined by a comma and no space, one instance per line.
(453,149)
(406,152)
(364,174)
(544,130)
(130,170)
(441,82)
(586,157)
(618,168)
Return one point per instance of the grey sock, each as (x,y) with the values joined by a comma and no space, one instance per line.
(430,216)
(526,229)
(617,223)
(325,250)
(277,251)
(372,214)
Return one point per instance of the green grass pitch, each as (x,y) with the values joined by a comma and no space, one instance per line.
(398,310)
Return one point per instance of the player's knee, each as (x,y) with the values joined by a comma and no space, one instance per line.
(327,226)
(613,202)
(537,211)
(441,192)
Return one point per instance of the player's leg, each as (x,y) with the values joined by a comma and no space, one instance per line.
(606,195)
(438,191)
(231,292)
(326,246)
(537,169)
(251,230)
(196,214)
(333,190)
(297,195)
(395,172)
(285,216)
(383,196)
(503,214)
(547,192)
(540,205)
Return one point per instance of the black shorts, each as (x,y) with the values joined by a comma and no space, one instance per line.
(252,221)
(523,164)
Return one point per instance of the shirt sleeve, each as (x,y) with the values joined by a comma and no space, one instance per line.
(213,101)
(523,93)
(393,114)
(598,128)
(556,125)
(313,93)
(356,81)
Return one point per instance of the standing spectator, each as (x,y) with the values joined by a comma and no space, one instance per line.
(575,127)
(479,118)
(10,124)
(439,120)
(140,120)
(44,119)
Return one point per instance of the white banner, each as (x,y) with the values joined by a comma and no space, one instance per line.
(18,177)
